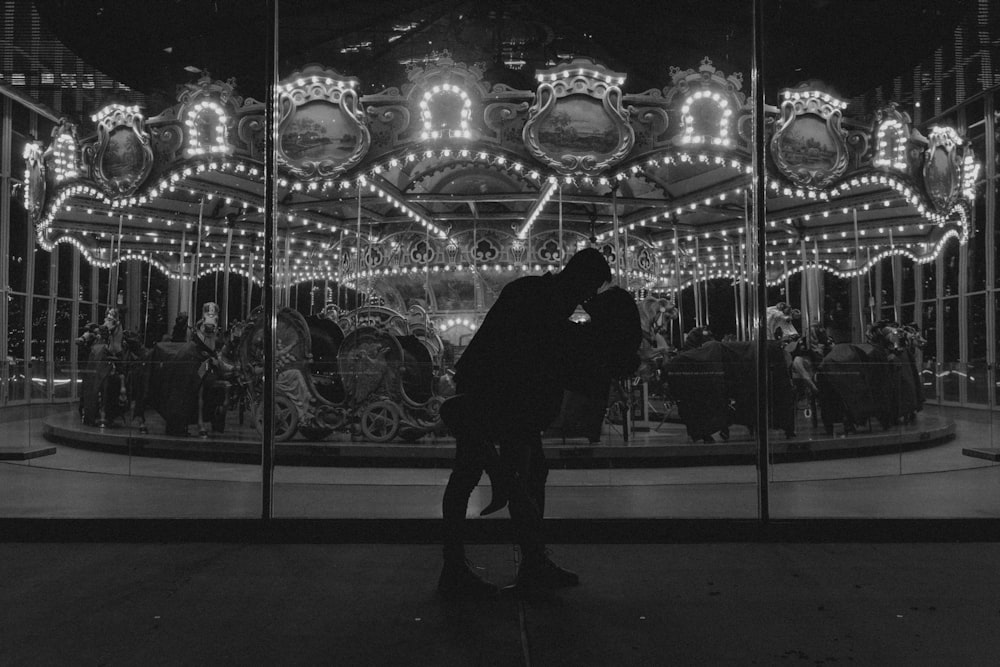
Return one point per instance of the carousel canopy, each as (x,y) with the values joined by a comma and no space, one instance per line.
(448,171)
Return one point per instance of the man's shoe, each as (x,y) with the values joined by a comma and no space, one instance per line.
(459,580)
(541,572)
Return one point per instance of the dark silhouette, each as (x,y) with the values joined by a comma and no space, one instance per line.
(510,386)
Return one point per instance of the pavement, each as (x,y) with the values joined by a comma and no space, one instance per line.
(717,603)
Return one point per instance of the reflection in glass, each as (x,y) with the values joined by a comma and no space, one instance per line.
(929,360)
(952,372)
(38,366)
(977,380)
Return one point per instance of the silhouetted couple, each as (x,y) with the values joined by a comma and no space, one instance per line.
(510,382)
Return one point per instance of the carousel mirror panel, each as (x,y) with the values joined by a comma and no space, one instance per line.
(693,279)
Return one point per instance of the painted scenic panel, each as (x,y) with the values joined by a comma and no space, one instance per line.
(578,125)
(807,144)
(123,158)
(318,131)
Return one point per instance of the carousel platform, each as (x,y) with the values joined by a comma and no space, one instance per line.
(650,444)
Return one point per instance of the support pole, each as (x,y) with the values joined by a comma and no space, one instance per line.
(145,317)
(196,260)
(614,220)
(857,281)
(695,277)
(562,248)
(678,300)
(270,178)
(225,280)
(895,278)
(759,200)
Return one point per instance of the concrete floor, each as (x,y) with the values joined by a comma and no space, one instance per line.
(649,596)
(375,604)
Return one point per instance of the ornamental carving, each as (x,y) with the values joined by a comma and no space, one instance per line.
(421,252)
(321,130)
(122,158)
(943,168)
(891,137)
(577,124)
(207,113)
(34,180)
(708,102)
(809,146)
(550,251)
(486,251)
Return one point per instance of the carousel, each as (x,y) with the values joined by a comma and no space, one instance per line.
(400,214)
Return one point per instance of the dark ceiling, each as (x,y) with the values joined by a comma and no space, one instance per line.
(853,45)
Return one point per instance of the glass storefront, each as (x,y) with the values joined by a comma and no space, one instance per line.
(248,299)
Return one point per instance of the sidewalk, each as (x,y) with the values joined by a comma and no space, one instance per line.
(373,604)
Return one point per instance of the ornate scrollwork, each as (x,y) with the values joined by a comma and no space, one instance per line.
(550,251)
(123,156)
(321,131)
(577,124)
(373,256)
(422,252)
(809,146)
(486,250)
(644,259)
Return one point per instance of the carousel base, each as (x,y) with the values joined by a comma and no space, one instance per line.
(650,444)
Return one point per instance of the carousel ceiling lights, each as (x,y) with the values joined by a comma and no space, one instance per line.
(692,177)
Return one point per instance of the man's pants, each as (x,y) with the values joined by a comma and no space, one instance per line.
(525,470)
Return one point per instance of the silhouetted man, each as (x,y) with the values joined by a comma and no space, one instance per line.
(510,382)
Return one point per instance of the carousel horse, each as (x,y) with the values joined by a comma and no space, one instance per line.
(108,352)
(188,381)
(874,379)
(779,321)
(654,350)
(715,385)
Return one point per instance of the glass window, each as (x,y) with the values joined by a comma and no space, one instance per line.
(929,366)
(16,365)
(888,275)
(977,381)
(62,348)
(64,283)
(930,279)
(951,369)
(977,247)
(38,365)
(950,264)
(86,280)
(837,315)
(42,262)
(17,162)
(907,277)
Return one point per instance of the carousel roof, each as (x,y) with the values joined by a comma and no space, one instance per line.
(448,170)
